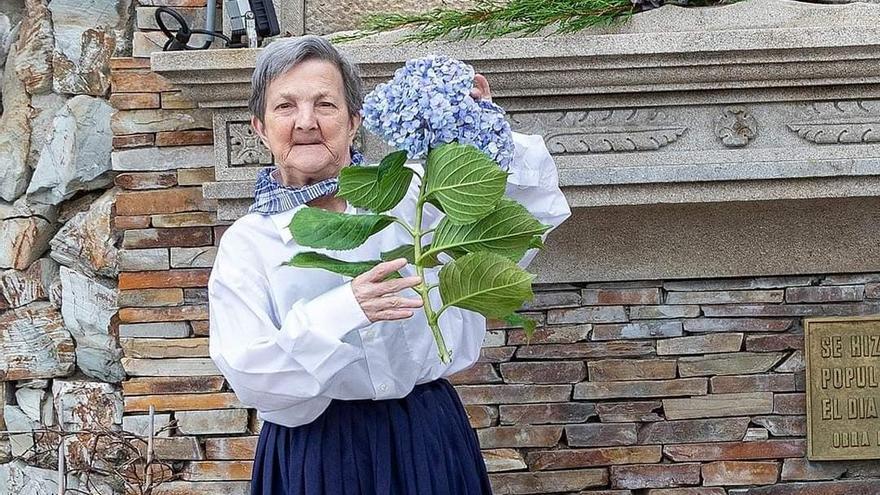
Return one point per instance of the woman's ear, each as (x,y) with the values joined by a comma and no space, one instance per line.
(260,130)
(355,124)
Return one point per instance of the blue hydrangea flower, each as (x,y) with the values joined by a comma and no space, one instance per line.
(427,103)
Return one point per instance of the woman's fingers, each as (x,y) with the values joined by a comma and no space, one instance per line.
(481,88)
(382,270)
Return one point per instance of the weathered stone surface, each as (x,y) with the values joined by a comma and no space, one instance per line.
(130,222)
(87,241)
(700,344)
(19,288)
(20,479)
(43,110)
(230,448)
(498,460)
(140,425)
(189,219)
(85,43)
(535,414)
(212,422)
(601,434)
(165,348)
(513,394)
(601,297)
(553,299)
(779,342)
(34,45)
(175,200)
(169,367)
(783,426)
(737,283)
(768,449)
(176,448)
(144,259)
(217,471)
(195,296)
(134,101)
(643,388)
(837,487)
(492,338)
(793,364)
(805,470)
(702,490)
(601,314)
(183,402)
(739,473)
(128,82)
(88,307)
(158,385)
(756,435)
(821,294)
(152,238)
(144,43)
(872,290)
(719,405)
(84,405)
(551,335)
(476,374)
(725,297)
(138,121)
(171,329)
(609,370)
(16,420)
(176,313)
(15,134)
(150,297)
(138,181)
(789,404)
(30,401)
(548,482)
(481,416)
(76,156)
(175,99)
(728,364)
(196,277)
(834,309)
(34,343)
(543,372)
(694,431)
(195,176)
(774,382)
(639,476)
(494,324)
(519,436)
(133,141)
(625,412)
(664,311)
(736,325)
(604,456)
(589,350)
(637,330)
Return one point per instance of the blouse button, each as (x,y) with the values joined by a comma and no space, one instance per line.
(383,387)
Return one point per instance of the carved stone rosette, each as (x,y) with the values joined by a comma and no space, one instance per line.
(735,126)
(244,145)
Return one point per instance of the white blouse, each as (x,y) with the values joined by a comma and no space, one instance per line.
(290,339)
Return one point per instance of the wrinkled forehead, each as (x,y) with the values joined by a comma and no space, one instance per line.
(309,79)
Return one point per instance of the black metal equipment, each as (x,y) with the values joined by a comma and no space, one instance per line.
(254,19)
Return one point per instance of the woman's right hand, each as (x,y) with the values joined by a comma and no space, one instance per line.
(378,297)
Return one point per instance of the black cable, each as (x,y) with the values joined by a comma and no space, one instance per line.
(180,39)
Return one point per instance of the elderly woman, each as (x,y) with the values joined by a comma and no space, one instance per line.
(344,372)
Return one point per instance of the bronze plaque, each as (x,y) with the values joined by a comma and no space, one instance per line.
(843,388)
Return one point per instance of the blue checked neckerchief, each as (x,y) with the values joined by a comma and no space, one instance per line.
(270,197)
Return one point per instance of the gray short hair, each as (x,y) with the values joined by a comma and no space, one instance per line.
(282,55)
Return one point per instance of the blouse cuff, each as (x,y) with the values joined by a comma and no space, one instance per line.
(529,155)
(336,312)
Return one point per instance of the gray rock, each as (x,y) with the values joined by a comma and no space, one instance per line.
(140,425)
(87,307)
(21,479)
(6,36)
(35,45)
(15,131)
(30,401)
(85,405)
(43,110)
(87,241)
(19,288)
(135,260)
(77,155)
(212,422)
(86,36)
(165,330)
(16,420)
(34,343)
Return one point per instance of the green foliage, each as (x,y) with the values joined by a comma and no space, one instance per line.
(485,233)
(527,324)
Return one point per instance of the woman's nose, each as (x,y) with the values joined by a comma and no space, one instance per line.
(305,118)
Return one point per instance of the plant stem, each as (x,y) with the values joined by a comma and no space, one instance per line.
(423,288)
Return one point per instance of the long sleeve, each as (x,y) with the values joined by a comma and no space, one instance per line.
(275,362)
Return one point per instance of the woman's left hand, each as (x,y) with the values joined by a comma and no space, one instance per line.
(481,88)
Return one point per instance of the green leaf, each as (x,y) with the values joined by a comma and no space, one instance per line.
(464,181)
(319,228)
(528,325)
(362,187)
(408,251)
(487,283)
(348,268)
(391,162)
(510,230)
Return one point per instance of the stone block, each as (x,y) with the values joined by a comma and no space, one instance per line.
(176,313)
(498,460)
(543,372)
(154,238)
(195,176)
(591,350)
(165,348)
(175,200)
(736,450)
(133,141)
(737,283)
(783,426)
(536,414)
(872,290)
(144,259)
(481,416)
(159,385)
(702,490)
(805,470)
(35,343)
(548,482)
(779,342)
(644,388)
(554,299)
(135,181)
(771,310)
(195,296)
(700,344)
(185,138)
(610,370)
(600,314)
(182,402)
(773,382)
(140,424)
(637,330)
(194,277)
(736,363)
(740,473)
(87,242)
(496,354)
(625,297)
(134,101)
(825,294)
(154,159)
(519,436)
(158,120)
(725,297)
(793,364)
(176,329)
(700,325)
(138,82)
(189,219)
(212,422)
(175,99)
(601,434)
(719,405)
(789,404)
(625,412)
(513,394)
(694,431)
(131,222)
(664,311)
(837,487)
(150,297)
(494,338)
(231,448)
(476,374)
(552,335)
(543,460)
(170,367)
(202,487)
(641,476)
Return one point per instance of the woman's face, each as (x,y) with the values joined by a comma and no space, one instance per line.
(307,126)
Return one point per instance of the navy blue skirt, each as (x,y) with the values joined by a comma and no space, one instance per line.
(421,444)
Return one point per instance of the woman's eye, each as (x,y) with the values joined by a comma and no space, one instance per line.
(326,104)
(282,106)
